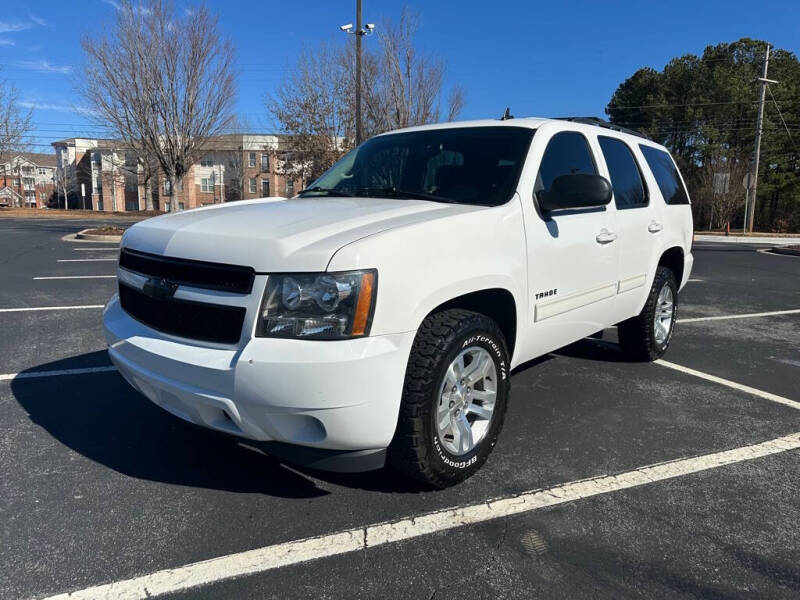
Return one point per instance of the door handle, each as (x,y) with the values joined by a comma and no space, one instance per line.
(605,237)
(654,227)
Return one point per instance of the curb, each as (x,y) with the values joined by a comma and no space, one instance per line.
(93,237)
(786,251)
(740,239)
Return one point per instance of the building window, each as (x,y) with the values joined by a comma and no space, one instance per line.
(42,171)
(253,185)
(252,159)
(206,161)
(289,188)
(206,185)
(265,187)
(181,205)
(16,182)
(264,161)
(28,182)
(27,170)
(166,187)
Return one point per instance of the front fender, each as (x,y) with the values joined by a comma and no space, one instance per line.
(423,265)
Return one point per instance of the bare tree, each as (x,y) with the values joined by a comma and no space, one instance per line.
(720,191)
(66,185)
(147,175)
(164,83)
(15,124)
(315,105)
(231,147)
(406,89)
(44,195)
(312,105)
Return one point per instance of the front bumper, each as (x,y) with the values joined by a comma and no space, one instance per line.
(335,395)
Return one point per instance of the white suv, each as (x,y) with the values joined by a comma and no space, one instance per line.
(377,315)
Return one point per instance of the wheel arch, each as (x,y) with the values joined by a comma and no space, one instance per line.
(672,258)
(496,303)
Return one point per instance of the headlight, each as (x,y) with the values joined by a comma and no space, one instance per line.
(328,306)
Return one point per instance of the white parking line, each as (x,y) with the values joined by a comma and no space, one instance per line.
(79,277)
(299,551)
(38,308)
(96,249)
(731,384)
(773,313)
(87,260)
(35,374)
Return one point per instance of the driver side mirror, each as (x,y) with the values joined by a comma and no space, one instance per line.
(578,190)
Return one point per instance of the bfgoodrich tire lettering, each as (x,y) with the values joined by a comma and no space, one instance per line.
(419,449)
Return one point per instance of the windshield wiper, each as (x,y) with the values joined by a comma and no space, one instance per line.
(323,191)
(394,192)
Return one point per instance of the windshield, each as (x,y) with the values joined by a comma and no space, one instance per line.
(469,165)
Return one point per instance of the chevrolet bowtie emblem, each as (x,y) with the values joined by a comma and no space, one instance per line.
(159,288)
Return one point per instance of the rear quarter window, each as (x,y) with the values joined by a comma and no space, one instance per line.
(666,175)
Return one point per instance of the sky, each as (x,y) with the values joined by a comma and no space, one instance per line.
(540,58)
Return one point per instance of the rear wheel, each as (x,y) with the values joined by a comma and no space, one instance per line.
(646,336)
(454,398)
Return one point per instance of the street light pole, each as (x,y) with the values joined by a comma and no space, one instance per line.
(359,33)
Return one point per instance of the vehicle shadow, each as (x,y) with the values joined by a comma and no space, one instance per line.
(102,418)
(593,349)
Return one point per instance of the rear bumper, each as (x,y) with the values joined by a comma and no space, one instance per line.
(688,263)
(327,395)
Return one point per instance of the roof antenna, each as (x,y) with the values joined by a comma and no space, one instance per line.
(507,114)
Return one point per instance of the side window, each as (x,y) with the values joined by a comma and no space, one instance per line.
(666,174)
(626,179)
(566,153)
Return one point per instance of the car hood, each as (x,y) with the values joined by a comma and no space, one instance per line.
(274,235)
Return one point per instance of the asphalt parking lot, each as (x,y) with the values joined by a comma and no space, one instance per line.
(98,486)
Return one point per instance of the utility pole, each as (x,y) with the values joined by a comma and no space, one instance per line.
(759,129)
(359,33)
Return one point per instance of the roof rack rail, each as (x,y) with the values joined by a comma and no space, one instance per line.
(603,123)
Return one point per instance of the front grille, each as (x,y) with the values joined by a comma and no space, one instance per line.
(195,320)
(197,273)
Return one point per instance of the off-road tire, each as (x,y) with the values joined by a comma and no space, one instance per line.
(415,449)
(637,335)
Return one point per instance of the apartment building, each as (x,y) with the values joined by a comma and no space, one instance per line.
(75,171)
(97,174)
(26,180)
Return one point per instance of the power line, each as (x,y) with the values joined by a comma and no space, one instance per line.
(780,114)
(610,107)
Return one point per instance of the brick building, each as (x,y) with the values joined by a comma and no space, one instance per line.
(236,167)
(75,171)
(26,180)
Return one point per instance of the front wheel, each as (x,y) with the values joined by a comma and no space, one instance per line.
(454,398)
(646,336)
